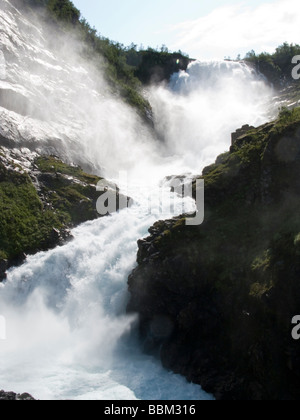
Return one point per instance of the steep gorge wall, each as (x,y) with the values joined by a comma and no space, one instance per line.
(216,301)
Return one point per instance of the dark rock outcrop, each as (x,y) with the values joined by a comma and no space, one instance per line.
(12,396)
(216,301)
(156,67)
(240,132)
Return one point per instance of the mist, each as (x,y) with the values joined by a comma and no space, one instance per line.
(55,101)
(197,112)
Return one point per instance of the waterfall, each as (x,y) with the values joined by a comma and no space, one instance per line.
(67,330)
(200,108)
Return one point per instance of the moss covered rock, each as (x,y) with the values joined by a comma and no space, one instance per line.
(41,198)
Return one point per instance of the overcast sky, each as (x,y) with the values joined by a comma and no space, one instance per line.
(203,29)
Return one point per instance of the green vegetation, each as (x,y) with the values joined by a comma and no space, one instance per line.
(25,224)
(288,116)
(30,221)
(64,10)
(53,165)
(276,67)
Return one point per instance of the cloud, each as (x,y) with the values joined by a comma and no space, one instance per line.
(235,29)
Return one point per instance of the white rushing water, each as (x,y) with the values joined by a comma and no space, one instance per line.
(67,330)
(65,315)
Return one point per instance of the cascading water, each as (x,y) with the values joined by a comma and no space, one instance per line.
(65,309)
(65,312)
(196,114)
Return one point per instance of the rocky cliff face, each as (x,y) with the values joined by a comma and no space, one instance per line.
(216,301)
